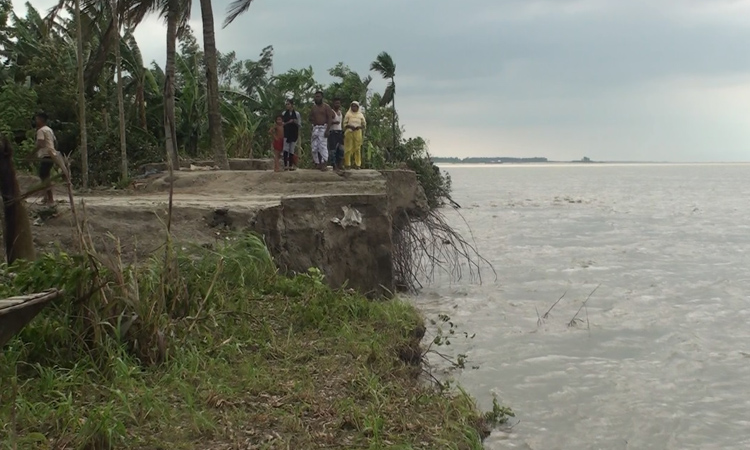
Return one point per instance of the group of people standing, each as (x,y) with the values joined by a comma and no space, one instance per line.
(336,137)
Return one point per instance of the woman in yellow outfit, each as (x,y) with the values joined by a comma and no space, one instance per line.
(354,125)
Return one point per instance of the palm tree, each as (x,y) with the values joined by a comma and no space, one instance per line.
(215,133)
(176,13)
(120,97)
(81,98)
(385,66)
(170,127)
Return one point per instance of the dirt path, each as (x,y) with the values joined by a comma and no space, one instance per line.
(137,216)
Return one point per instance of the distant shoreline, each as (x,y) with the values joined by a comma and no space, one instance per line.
(439,161)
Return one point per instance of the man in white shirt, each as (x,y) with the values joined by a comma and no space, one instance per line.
(46,151)
(336,136)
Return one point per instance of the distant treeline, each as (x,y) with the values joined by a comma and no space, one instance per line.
(487,160)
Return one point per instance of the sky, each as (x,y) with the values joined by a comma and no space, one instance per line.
(616,80)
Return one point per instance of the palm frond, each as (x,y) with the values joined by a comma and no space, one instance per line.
(384,65)
(236,9)
(136,10)
(390,91)
(54,12)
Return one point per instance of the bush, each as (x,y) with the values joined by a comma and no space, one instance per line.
(436,184)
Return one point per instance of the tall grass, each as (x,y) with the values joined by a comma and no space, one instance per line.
(214,349)
(108,304)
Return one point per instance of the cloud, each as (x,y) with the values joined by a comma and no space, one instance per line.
(611,79)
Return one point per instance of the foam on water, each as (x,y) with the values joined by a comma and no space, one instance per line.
(664,362)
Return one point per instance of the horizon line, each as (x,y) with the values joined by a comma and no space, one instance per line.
(592,162)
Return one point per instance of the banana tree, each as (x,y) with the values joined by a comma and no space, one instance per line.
(190,102)
(132,62)
(240,128)
(349,86)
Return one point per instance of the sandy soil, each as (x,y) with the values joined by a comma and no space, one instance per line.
(137,216)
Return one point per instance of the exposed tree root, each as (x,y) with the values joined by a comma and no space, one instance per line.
(427,245)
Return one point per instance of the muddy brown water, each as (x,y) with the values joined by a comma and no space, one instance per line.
(664,361)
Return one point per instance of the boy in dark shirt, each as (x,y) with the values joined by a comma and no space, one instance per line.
(292,123)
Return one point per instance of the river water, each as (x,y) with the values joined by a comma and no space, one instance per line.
(664,359)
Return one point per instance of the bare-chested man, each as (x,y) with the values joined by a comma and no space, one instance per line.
(321,117)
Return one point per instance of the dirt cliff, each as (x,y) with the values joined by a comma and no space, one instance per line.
(300,214)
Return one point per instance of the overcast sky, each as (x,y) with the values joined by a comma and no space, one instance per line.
(609,79)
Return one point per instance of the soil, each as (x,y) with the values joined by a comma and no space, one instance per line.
(137,215)
(299,214)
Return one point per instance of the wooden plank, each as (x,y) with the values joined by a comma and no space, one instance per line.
(40,296)
(9,302)
(14,317)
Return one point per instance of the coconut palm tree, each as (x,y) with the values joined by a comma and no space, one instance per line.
(81,98)
(385,66)
(115,11)
(172,12)
(176,13)
(215,133)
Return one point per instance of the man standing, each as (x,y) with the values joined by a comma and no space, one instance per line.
(321,117)
(292,122)
(336,136)
(46,151)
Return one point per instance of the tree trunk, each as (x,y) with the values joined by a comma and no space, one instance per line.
(19,243)
(393,104)
(120,97)
(215,132)
(140,99)
(170,132)
(82,98)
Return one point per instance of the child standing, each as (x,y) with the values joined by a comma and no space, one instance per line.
(292,123)
(277,134)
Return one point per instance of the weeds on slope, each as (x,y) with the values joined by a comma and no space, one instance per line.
(215,350)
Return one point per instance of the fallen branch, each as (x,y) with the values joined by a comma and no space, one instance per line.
(572,322)
(546,315)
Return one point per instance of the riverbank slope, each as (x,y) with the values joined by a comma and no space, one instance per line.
(209,346)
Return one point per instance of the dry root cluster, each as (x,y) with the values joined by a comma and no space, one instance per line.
(426,246)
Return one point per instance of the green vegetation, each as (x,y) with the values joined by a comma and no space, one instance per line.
(211,348)
(129,123)
(200,348)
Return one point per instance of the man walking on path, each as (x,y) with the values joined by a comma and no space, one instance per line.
(321,117)
(292,122)
(336,136)
(46,151)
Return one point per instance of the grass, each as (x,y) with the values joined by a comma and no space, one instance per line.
(212,349)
